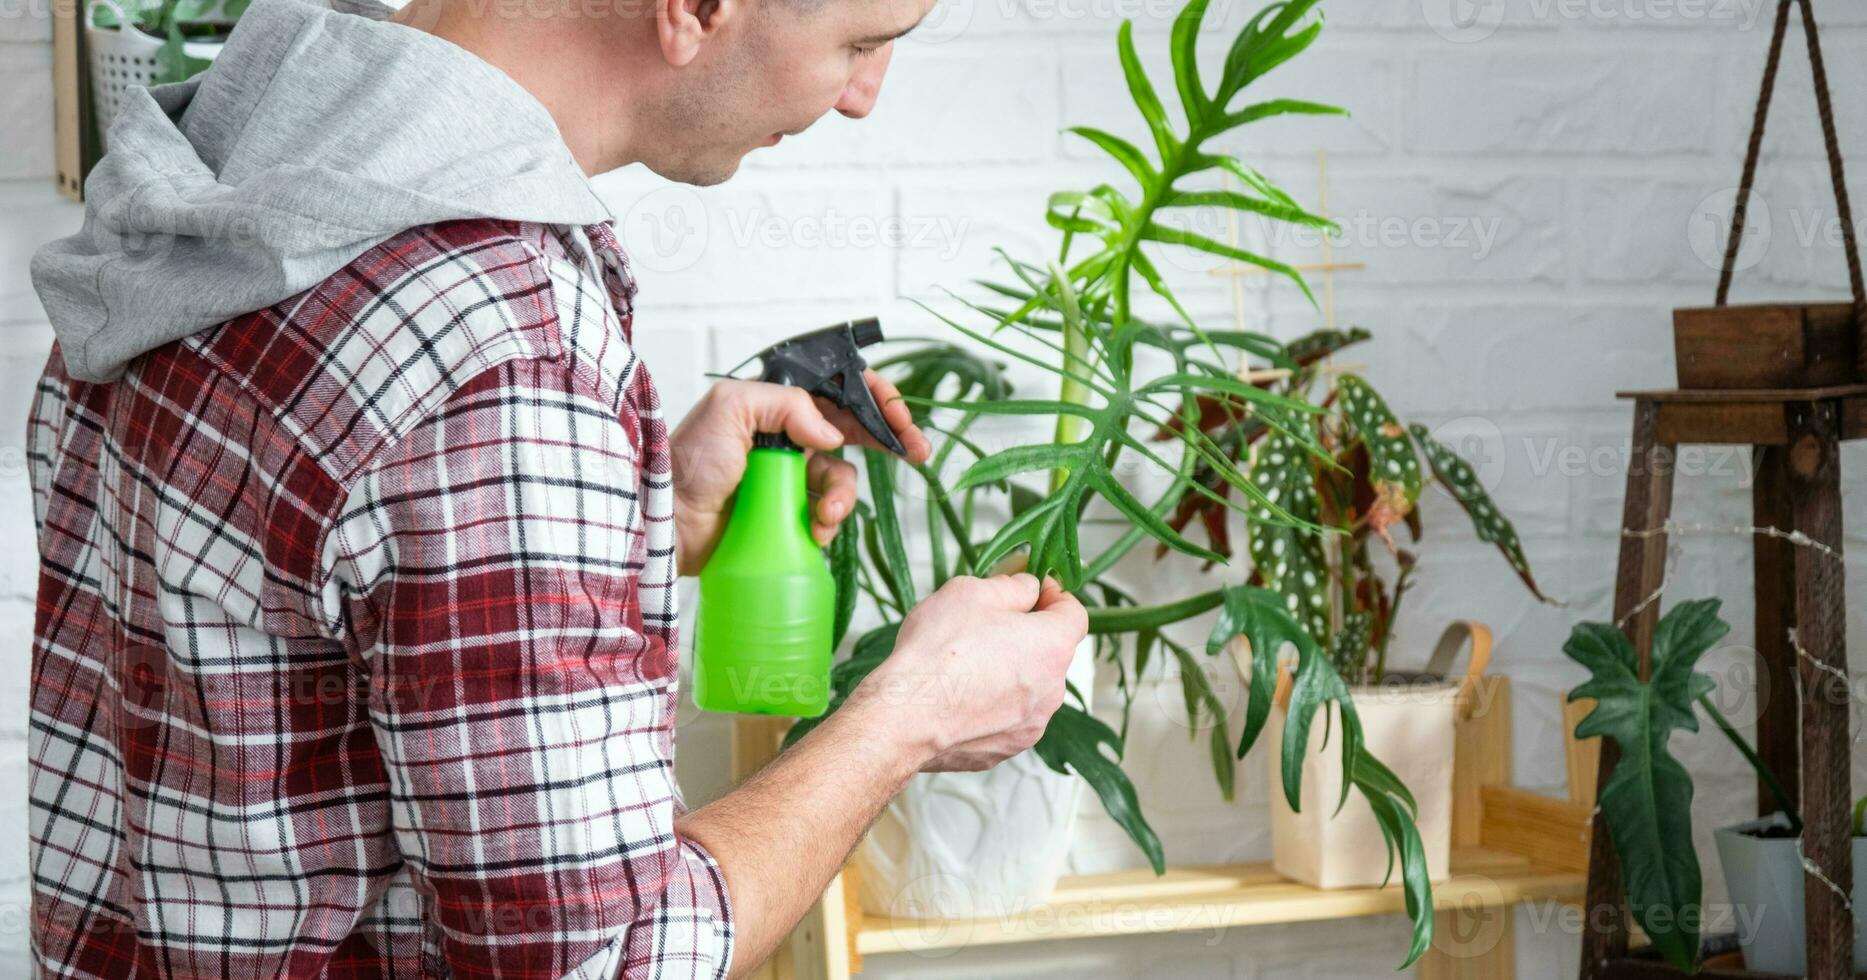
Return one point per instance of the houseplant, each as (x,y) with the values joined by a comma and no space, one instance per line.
(1122,376)
(1368,482)
(1647,801)
(151,42)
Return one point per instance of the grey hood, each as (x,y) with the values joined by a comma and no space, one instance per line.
(320,131)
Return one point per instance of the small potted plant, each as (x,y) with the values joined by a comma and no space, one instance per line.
(1366,483)
(1647,801)
(151,42)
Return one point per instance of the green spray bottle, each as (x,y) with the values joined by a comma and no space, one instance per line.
(767,601)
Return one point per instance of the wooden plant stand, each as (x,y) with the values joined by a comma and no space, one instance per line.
(1796,437)
(1508,846)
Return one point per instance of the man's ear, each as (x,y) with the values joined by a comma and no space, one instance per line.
(685,26)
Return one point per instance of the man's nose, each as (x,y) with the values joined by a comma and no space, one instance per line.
(866,84)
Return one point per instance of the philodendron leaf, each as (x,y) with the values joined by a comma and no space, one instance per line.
(1290,559)
(1395,819)
(1394,466)
(1460,480)
(1074,742)
(1647,802)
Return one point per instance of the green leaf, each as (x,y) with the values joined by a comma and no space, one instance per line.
(1157,232)
(1283,107)
(881,469)
(1112,491)
(1241,202)
(1348,649)
(1290,559)
(1647,801)
(1074,742)
(1127,619)
(1021,459)
(1143,91)
(173,62)
(845,559)
(1490,524)
(1394,468)
(1185,42)
(1124,153)
(1403,836)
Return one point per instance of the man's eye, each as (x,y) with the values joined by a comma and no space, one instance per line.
(862,52)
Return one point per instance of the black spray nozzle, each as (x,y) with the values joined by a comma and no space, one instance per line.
(828,362)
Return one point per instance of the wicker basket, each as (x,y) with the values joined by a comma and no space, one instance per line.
(124,56)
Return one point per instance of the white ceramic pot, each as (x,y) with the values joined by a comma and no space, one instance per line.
(1410,724)
(968,845)
(1765,879)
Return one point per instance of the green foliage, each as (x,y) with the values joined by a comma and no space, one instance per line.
(1647,801)
(176,22)
(1457,476)
(1131,391)
(1367,480)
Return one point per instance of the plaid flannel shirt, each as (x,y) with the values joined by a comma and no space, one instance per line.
(355,652)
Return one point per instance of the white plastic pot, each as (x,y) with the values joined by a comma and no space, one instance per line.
(124,56)
(1765,879)
(1411,725)
(968,845)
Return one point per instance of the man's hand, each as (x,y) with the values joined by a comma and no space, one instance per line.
(978,669)
(976,672)
(711,443)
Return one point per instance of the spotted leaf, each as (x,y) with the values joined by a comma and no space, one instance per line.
(1460,480)
(1394,467)
(1289,559)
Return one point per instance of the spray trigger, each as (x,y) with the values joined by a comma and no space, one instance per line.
(828,362)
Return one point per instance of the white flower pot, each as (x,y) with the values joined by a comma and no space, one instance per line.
(1765,879)
(967,845)
(1410,725)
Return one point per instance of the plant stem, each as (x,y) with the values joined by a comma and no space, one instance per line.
(1756,762)
(961,537)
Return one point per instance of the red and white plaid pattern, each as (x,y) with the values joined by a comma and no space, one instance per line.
(355,652)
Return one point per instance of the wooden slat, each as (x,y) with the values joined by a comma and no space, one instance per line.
(1723,423)
(1821,631)
(1642,567)
(819,946)
(1582,755)
(1185,899)
(1472,944)
(1481,756)
(68,97)
(1549,832)
(1773,571)
(1671,395)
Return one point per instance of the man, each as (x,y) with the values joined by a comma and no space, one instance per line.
(359,521)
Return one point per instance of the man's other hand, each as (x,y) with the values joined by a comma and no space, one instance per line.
(977,670)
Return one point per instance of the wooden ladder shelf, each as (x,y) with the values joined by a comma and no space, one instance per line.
(1795,435)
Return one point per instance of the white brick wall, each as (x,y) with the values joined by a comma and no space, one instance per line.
(1529,192)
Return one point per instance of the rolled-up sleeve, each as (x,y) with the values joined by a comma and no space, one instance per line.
(522,705)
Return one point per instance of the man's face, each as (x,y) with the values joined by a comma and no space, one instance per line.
(771,70)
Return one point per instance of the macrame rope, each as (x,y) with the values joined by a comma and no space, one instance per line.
(1824,104)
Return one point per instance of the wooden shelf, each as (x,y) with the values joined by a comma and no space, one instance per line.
(1127,903)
